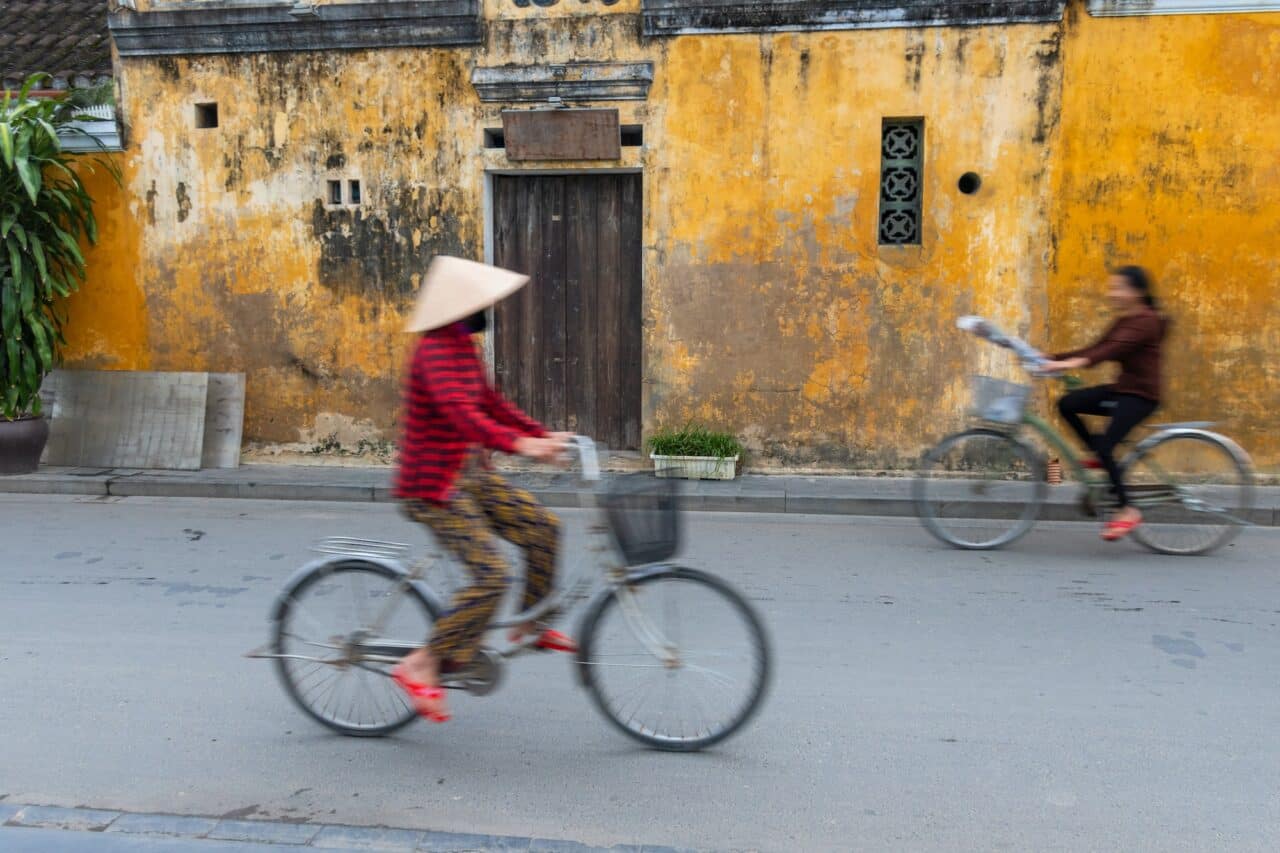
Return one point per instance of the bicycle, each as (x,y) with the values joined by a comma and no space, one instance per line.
(339,674)
(1194,486)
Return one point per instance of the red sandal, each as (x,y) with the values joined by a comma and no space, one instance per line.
(417,690)
(1113,531)
(554,641)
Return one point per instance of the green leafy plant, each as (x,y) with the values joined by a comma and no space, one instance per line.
(694,440)
(45,211)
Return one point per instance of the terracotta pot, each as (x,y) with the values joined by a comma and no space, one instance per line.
(21,444)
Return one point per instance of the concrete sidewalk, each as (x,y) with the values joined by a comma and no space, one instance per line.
(827,495)
(50,829)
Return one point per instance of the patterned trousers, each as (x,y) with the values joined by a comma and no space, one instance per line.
(484,504)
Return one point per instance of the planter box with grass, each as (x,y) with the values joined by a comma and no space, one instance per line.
(694,453)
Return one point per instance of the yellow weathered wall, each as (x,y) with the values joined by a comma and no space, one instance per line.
(1170,157)
(773,311)
(770,308)
(106,321)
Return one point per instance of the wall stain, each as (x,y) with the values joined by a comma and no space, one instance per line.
(1048,87)
(184,202)
(376,253)
(914,56)
(233,162)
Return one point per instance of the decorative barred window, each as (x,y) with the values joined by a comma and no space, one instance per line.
(901,173)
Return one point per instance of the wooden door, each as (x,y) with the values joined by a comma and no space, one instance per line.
(568,345)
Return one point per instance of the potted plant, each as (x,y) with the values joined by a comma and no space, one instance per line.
(694,453)
(44,213)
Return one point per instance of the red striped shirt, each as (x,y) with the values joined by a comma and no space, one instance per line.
(449,409)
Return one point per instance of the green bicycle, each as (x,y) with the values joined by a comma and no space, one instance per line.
(985,487)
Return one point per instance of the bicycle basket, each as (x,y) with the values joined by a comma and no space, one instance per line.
(998,401)
(644,517)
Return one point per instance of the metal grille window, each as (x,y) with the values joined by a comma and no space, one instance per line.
(901,171)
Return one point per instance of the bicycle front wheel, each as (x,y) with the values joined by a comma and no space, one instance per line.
(676,659)
(1195,491)
(338,634)
(979,489)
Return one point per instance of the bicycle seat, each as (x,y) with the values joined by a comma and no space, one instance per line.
(1181,425)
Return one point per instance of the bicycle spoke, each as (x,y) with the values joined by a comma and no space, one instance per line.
(297,608)
(712,676)
(640,693)
(358,596)
(318,669)
(322,693)
(370,691)
(314,643)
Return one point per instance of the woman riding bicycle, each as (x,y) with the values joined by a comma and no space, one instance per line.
(452,418)
(1134,340)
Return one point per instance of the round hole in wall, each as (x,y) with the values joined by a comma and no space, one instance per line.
(969,183)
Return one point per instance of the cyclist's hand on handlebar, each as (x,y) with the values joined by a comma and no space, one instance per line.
(567,439)
(549,449)
(1050,368)
(1047,368)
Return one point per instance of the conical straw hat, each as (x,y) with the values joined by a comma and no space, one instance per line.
(454,289)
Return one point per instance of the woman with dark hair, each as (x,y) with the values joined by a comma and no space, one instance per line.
(1134,340)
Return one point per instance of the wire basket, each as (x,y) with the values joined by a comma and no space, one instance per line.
(998,401)
(644,517)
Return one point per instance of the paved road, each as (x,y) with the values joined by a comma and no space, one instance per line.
(1064,694)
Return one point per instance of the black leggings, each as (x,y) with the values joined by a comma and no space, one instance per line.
(1126,412)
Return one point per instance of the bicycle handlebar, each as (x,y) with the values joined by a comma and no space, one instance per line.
(588,457)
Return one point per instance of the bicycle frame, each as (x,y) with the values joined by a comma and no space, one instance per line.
(1157,494)
(577,588)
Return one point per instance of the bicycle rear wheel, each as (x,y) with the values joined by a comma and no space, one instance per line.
(1195,491)
(676,659)
(339,632)
(979,489)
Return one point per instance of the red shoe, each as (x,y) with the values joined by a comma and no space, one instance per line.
(554,641)
(1091,463)
(417,690)
(1116,530)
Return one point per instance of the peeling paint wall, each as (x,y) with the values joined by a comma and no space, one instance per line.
(763,204)
(770,309)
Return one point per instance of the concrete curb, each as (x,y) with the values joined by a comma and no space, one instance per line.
(828,495)
(304,836)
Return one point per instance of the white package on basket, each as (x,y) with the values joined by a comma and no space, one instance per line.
(999,401)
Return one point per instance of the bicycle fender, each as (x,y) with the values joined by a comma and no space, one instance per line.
(1236,451)
(319,564)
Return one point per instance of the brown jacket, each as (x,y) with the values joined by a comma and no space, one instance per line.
(1134,341)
